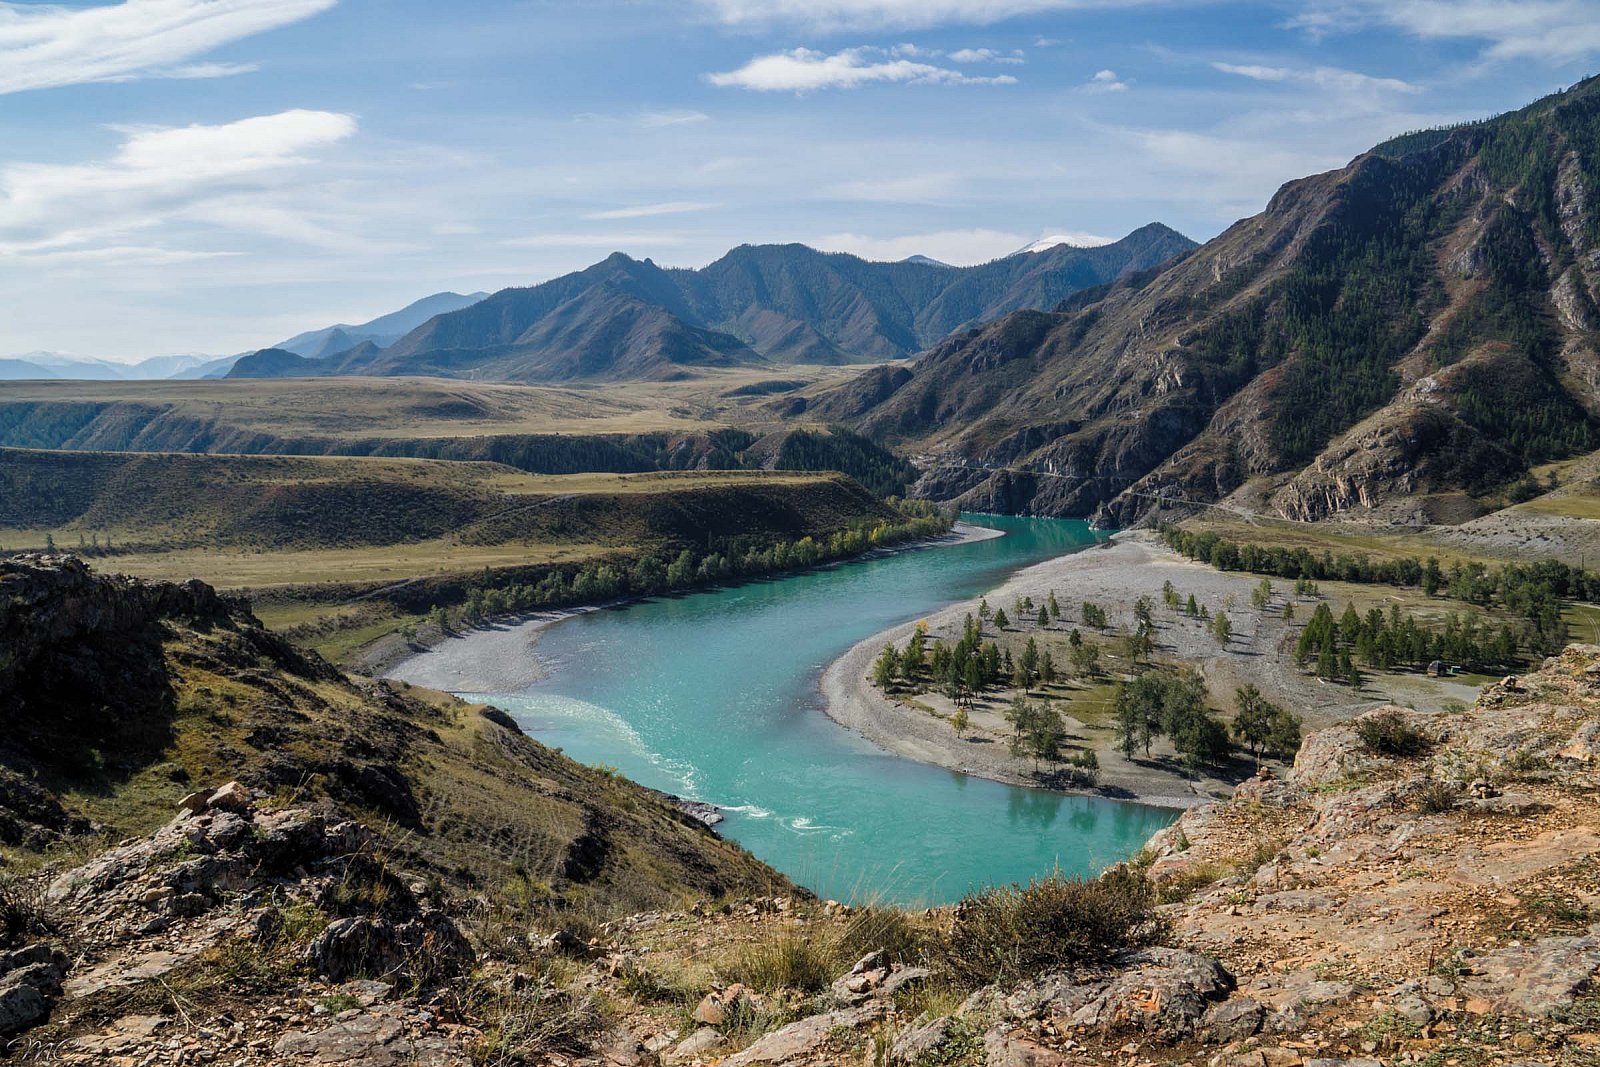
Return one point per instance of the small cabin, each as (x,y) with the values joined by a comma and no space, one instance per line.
(1437,669)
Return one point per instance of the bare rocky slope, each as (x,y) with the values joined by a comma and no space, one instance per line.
(1423,319)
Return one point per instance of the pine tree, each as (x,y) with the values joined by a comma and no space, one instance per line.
(885,668)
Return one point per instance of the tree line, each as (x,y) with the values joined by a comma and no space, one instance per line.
(1387,640)
(655,573)
(1530,591)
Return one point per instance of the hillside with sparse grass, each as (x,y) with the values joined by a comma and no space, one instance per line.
(344,551)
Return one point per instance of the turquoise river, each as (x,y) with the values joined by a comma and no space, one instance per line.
(714,696)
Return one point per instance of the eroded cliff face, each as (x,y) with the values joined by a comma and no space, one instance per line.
(1421,320)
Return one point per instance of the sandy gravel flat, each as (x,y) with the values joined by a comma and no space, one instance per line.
(495,659)
(1113,576)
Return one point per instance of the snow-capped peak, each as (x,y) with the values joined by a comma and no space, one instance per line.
(1076,240)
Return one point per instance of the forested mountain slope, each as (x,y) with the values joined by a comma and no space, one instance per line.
(1422,319)
(623,318)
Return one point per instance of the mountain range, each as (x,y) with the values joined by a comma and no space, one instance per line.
(50,365)
(381,331)
(1420,323)
(627,318)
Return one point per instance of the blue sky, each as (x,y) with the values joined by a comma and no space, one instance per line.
(213,175)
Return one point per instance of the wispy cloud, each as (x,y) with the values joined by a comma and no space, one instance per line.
(1105,81)
(1551,30)
(123,256)
(888,14)
(1323,77)
(46,46)
(802,70)
(196,70)
(645,211)
(659,119)
(986,55)
(194,173)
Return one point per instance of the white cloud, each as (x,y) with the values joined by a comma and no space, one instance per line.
(197,173)
(985,55)
(122,255)
(1322,77)
(659,119)
(1556,31)
(957,247)
(195,71)
(645,211)
(824,15)
(803,70)
(46,45)
(1105,81)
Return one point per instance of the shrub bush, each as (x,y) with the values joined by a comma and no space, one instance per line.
(1388,734)
(1018,932)
(1436,798)
(22,911)
(788,962)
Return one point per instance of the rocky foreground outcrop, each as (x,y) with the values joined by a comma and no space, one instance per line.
(1418,889)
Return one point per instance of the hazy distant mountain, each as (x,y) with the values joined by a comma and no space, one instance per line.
(215,367)
(783,303)
(381,331)
(1424,320)
(926,261)
(275,363)
(21,370)
(83,368)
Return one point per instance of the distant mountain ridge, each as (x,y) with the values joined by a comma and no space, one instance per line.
(780,303)
(56,365)
(313,344)
(1423,321)
(381,331)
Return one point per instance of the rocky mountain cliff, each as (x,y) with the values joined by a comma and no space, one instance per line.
(623,318)
(1423,319)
